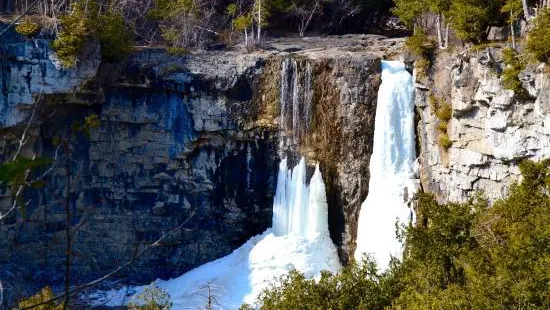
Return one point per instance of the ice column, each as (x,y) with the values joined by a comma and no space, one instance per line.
(393,181)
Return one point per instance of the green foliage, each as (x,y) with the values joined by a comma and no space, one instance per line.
(45,294)
(420,44)
(444,111)
(114,36)
(444,141)
(409,11)
(152,298)
(231,9)
(510,74)
(423,47)
(514,8)
(27,28)
(12,173)
(470,19)
(167,9)
(359,286)
(77,27)
(243,22)
(458,256)
(538,41)
(177,51)
(86,22)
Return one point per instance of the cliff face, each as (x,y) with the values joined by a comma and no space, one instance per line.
(492,129)
(179,140)
(192,140)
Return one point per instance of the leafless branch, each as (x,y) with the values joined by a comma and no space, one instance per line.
(79,288)
(15,21)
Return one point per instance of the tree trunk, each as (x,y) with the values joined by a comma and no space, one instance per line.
(259,20)
(245,37)
(439,34)
(68,226)
(447,26)
(512,31)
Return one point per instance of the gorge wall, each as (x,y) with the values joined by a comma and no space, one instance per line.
(492,129)
(191,140)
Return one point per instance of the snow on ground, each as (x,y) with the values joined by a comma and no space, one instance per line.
(240,276)
(302,242)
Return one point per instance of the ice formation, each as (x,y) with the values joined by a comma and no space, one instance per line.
(392,182)
(299,240)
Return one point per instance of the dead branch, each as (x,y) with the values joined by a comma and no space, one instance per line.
(79,288)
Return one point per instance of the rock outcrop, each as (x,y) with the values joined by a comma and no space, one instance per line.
(492,129)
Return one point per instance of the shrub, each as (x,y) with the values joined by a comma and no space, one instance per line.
(85,22)
(177,51)
(442,126)
(44,295)
(444,111)
(538,41)
(77,27)
(457,256)
(444,141)
(27,28)
(152,298)
(359,286)
(470,18)
(114,36)
(510,74)
(420,44)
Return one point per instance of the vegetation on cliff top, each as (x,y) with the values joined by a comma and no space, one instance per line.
(185,24)
(459,256)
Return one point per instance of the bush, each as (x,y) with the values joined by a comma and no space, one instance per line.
(458,256)
(114,36)
(85,22)
(444,141)
(42,296)
(538,41)
(470,18)
(177,51)
(444,111)
(420,44)
(77,27)
(359,286)
(510,74)
(152,298)
(27,28)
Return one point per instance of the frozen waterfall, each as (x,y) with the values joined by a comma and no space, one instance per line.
(300,209)
(392,167)
(299,240)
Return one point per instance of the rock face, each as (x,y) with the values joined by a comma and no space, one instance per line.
(191,140)
(492,129)
(180,140)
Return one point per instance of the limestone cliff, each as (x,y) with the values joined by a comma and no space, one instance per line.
(196,137)
(491,129)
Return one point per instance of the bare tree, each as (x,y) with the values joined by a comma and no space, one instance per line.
(77,289)
(304,11)
(526,10)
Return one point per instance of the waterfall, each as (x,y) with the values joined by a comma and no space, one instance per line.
(299,240)
(392,167)
(298,208)
(296,97)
